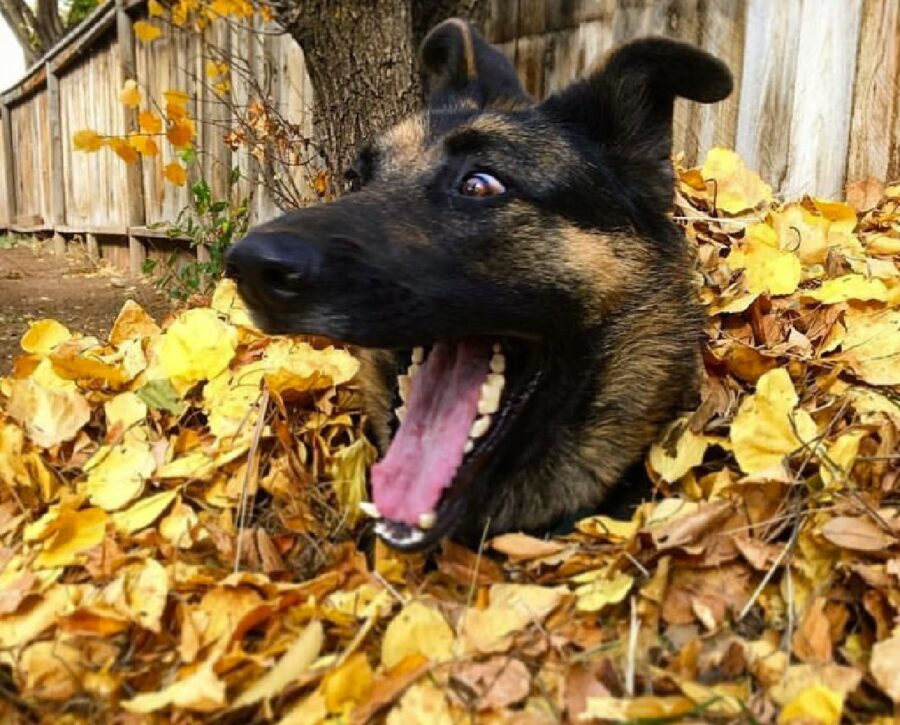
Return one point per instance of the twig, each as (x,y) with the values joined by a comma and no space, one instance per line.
(771,572)
(245,502)
(632,650)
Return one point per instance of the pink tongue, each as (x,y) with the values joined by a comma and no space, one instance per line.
(428,448)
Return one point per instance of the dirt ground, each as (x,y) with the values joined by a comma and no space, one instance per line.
(78,293)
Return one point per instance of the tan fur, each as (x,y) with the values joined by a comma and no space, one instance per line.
(613,263)
(405,146)
(468,47)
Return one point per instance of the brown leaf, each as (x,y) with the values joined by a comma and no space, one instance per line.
(583,681)
(812,639)
(863,194)
(14,592)
(522,546)
(692,529)
(720,589)
(496,683)
(857,533)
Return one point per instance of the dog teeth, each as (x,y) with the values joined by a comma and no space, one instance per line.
(413,369)
(418,355)
(480,426)
(369,509)
(400,413)
(403,384)
(490,394)
(470,444)
(398,534)
(426,521)
(498,362)
(497,347)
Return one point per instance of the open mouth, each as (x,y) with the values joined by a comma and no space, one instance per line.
(456,406)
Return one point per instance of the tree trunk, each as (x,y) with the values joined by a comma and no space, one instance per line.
(35,30)
(362,59)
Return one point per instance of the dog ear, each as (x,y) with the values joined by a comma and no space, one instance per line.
(626,104)
(461,65)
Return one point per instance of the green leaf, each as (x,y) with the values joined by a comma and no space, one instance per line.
(160,395)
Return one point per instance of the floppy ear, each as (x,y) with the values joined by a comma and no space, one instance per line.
(626,104)
(461,65)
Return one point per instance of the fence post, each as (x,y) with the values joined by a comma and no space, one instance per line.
(9,165)
(57,176)
(136,210)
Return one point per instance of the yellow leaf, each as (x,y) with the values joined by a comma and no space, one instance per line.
(802,232)
(197,346)
(766,268)
(228,302)
(181,132)
(132,322)
(69,535)
(177,101)
(130,95)
(201,691)
(816,704)
(883,244)
(840,457)
(144,145)
(597,591)
(116,474)
(309,710)
(175,173)
(215,68)
(348,471)
(20,628)
(293,664)
(124,150)
(604,527)
(178,527)
(143,512)
(150,122)
(848,287)
(422,703)
(647,707)
(512,607)
(22,468)
(736,188)
(156,9)
(689,451)
(297,367)
(349,684)
(768,426)
(417,629)
(49,415)
(872,345)
(43,336)
(126,409)
(88,141)
(195,465)
(147,32)
(52,669)
(883,665)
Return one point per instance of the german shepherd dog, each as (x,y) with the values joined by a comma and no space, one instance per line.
(523,303)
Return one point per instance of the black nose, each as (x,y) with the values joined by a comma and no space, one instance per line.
(273,266)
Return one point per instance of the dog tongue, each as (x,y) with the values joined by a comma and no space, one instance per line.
(427,450)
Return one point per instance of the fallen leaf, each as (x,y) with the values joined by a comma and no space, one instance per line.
(292,665)
(417,630)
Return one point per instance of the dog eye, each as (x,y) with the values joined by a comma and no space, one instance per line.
(481,184)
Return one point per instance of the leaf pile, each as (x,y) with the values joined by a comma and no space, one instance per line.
(178,507)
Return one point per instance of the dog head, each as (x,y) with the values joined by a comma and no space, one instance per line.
(510,269)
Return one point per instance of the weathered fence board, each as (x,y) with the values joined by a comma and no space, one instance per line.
(816,102)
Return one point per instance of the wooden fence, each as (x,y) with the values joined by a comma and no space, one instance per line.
(817,101)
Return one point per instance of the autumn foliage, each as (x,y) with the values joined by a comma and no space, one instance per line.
(181,537)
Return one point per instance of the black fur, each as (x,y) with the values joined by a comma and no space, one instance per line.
(576,265)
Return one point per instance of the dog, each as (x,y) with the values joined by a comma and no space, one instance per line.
(523,305)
